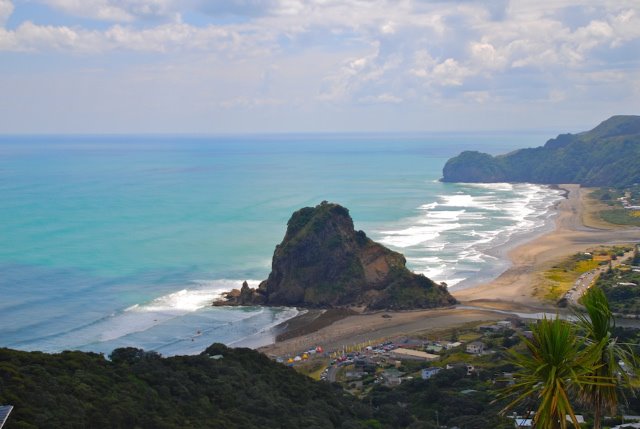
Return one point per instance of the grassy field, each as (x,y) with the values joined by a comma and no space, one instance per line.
(619,216)
(612,210)
(560,278)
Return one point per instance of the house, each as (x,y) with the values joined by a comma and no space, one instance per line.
(427,373)
(392,377)
(5,410)
(433,348)
(453,345)
(408,354)
(523,423)
(504,324)
(470,368)
(365,365)
(475,348)
(579,418)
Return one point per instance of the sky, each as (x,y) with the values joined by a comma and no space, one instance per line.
(253,66)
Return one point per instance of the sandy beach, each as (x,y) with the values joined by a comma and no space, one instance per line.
(576,229)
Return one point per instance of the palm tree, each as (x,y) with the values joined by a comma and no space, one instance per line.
(558,361)
(598,324)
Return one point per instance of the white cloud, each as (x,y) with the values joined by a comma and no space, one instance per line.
(6,9)
(385,98)
(380,51)
(117,10)
(486,57)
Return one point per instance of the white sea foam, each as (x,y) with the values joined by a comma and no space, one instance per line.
(449,238)
(144,316)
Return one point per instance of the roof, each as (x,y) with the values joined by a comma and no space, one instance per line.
(392,372)
(524,423)
(415,354)
(432,368)
(5,410)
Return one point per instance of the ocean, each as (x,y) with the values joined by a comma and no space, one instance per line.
(113,241)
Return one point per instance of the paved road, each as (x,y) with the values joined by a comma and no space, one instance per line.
(331,373)
(587,279)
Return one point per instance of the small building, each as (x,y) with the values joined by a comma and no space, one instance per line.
(408,354)
(475,348)
(579,418)
(523,423)
(504,324)
(427,373)
(433,348)
(453,345)
(467,366)
(5,410)
(392,377)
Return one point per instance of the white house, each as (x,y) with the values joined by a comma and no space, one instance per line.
(427,373)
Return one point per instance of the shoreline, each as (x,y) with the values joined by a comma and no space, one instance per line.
(516,286)
(502,251)
(511,292)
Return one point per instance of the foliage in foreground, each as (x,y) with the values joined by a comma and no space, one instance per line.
(137,389)
(567,364)
(557,361)
(614,358)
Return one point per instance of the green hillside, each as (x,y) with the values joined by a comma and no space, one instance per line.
(138,389)
(608,155)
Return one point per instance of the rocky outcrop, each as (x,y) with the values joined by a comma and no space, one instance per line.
(323,262)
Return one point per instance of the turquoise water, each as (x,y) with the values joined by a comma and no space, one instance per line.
(113,241)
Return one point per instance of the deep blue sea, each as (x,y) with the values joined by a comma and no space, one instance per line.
(114,241)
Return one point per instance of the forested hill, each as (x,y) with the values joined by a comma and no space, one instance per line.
(221,388)
(608,155)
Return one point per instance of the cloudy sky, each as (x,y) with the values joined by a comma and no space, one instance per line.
(212,66)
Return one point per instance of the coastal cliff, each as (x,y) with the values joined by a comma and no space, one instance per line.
(323,262)
(608,155)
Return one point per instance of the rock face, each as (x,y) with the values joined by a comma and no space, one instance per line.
(608,155)
(323,262)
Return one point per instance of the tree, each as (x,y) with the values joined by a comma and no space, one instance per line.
(556,363)
(598,325)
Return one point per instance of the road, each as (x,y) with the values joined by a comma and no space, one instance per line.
(587,279)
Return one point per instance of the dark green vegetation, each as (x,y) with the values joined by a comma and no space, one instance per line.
(244,389)
(608,155)
(323,262)
(450,398)
(136,389)
(615,200)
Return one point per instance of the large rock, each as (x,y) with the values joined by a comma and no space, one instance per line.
(323,262)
